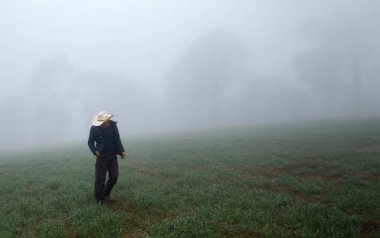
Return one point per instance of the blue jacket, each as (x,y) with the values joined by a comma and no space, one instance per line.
(96,140)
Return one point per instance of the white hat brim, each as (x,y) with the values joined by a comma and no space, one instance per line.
(95,121)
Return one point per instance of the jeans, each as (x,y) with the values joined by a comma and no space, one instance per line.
(103,188)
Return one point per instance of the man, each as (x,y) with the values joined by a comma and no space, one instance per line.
(104,142)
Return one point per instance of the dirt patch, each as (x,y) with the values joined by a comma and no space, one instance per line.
(122,207)
(249,235)
(284,189)
(302,165)
(266,171)
(119,205)
(194,168)
(271,188)
(262,170)
(219,181)
(151,172)
(147,172)
(372,177)
(370,229)
(67,226)
(288,190)
(239,231)
(362,146)
(134,219)
(302,169)
(326,178)
(288,169)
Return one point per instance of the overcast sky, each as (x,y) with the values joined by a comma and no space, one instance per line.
(184,64)
(143,38)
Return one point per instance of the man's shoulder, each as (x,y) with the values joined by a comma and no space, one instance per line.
(94,128)
(113,123)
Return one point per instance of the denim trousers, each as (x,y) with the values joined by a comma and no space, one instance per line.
(102,166)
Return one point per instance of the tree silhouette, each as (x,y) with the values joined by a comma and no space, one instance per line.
(346,45)
(199,81)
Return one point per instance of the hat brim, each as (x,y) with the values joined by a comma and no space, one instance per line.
(95,121)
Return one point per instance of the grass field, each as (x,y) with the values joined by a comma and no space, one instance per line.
(295,180)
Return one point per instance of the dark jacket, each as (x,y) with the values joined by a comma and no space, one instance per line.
(96,140)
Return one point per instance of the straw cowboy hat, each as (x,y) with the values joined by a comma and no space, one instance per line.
(101,117)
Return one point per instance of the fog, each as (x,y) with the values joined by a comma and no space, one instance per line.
(171,65)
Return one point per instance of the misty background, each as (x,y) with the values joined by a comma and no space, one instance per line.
(181,65)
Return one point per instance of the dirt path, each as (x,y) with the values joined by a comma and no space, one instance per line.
(128,213)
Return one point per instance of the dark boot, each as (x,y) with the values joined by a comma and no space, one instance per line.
(107,199)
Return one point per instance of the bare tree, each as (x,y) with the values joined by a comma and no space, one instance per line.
(345,45)
(199,81)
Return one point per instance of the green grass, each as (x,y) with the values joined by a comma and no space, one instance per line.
(295,180)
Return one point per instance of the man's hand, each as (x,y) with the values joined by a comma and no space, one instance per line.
(122,155)
(97,153)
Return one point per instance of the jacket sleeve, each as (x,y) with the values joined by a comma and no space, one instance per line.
(120,147)
(91,140)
